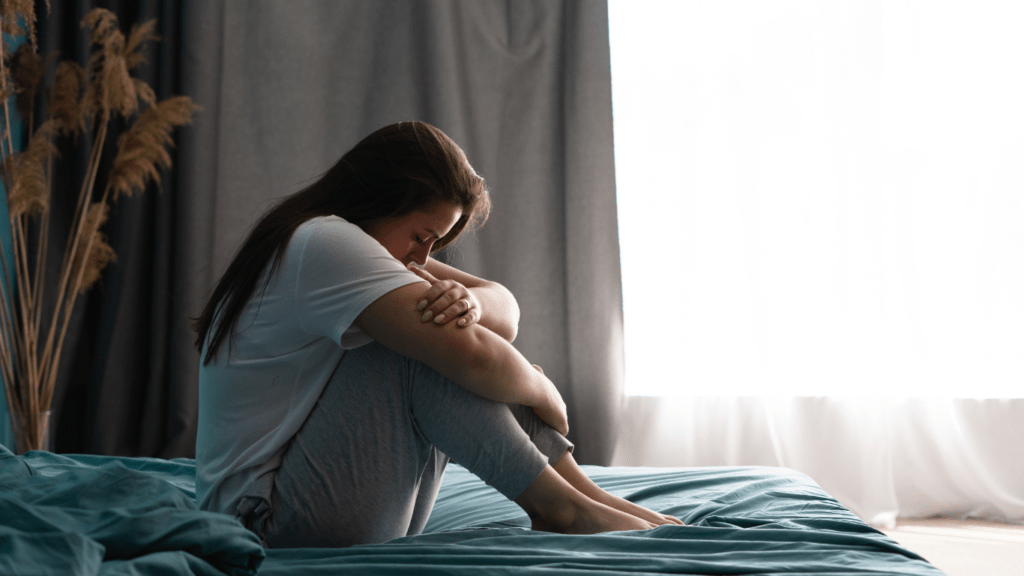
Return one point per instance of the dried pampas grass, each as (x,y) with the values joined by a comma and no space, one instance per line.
(13,10)
(81,101)
(112,88)
(26,174)
(139,36)
(90,264)
(66,99)
(27,71)
(141,150)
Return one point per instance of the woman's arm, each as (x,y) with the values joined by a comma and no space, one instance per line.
(473,357)
(499,311)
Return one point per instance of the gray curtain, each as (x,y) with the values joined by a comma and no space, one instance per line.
(117,391)
(522,86)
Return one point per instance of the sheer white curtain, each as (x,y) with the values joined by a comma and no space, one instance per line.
(821,215)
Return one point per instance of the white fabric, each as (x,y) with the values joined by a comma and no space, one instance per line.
(837,211)
(837,226)
(286,346)
(882,458)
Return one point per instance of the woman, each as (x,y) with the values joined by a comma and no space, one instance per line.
(363,365)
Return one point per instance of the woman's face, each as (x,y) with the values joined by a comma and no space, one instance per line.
(410,238)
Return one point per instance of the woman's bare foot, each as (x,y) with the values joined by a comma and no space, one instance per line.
(555,506)
(637,510)
(593,518)
(568,469)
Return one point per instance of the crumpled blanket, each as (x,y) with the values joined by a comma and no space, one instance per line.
(83,514)
(109,519)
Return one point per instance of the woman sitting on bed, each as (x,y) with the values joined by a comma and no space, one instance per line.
(356,371)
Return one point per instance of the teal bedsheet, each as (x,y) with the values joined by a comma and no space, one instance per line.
(80,514)
(89,515)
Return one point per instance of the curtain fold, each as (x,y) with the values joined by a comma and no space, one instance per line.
(844,261)
(286,88)
(882,458)
(523,87)
(117,392)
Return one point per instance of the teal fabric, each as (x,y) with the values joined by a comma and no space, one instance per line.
(137,516)
(90,515)
(740,521)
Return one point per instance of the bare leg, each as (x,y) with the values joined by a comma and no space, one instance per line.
(567,468)
(555,506)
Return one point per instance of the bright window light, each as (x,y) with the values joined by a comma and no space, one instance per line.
(821,198)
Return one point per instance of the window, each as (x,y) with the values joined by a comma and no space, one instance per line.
(821,198)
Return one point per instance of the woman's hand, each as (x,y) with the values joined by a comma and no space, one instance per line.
(553,411)
(447,300)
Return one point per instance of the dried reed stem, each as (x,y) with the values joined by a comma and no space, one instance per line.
(33,379)
(28,187)
(40,267)
(20,353)
(28,179)
(7,334)
(49,370)
(7,331)
(77,95)
(99,216)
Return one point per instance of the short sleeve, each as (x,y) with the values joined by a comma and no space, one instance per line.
(341,270)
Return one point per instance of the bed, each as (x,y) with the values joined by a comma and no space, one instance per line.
(84,515)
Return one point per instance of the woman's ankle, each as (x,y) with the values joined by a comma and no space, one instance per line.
(551,502)
(555,506)
(567,468)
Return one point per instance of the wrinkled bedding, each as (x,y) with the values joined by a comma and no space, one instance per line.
(61,516)
(78,514)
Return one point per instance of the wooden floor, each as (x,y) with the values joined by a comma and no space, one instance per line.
(965,547)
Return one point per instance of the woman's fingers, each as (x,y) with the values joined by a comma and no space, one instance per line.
(443,307)
(432,302)
(446,301)
(421,272)
(439,309)
(458,307)
(469,318)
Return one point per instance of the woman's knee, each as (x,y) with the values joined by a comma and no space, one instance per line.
(548,440)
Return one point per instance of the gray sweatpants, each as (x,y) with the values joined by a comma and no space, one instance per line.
(367,464)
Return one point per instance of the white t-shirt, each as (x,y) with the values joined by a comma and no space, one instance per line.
(285,348)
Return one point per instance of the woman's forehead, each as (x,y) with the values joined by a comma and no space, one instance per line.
(439,218)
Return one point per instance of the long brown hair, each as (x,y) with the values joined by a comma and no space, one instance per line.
(394,171)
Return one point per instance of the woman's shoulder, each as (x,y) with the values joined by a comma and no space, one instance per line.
(333,234)
(329,219)
(330,225)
